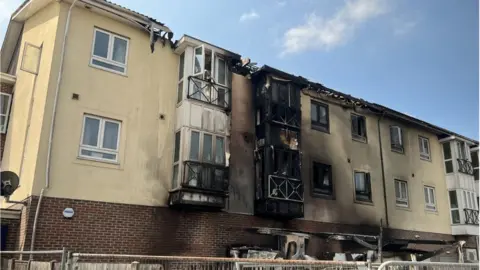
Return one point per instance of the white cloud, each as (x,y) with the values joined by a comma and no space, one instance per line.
(252,15)
(318,33)
(403,27)
(281,3)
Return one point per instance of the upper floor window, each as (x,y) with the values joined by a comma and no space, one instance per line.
(180,78)
(454,211)
(401,193)
(359,127)
(430,202)
(109,51)
(5,102)
(469,200)
(285,93)
(396,138)
(462,150)
(319,115)
(363,189)
(424,146)
(447,157)
(176,159)
(100,138)
(474,156)
(322,179)
(208,148)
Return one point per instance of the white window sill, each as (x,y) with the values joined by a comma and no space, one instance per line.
(82,160)
(109,70)
(425,158)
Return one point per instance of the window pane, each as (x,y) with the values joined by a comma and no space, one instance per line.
(447,152)
(90,132)
(219,151)
(99,155)
(181,66)
(207,147)
(194,145)
(313,112)
(323,115)
(360,182)
(176,155)
(455,216)
(107,65)
(110,135)
(420,145)
(476,174)
(474,156)
(4,101)
(3,123)
(198,60)
(221,97)
(449,166)
(464,199)
(180,92)
(432,195)
(425,146)
(453,199)
(397,189)
(355,127)
(221,72)
(403,190)
(175,177)
(101,44)
(425,192)
(119,50)
(395,136)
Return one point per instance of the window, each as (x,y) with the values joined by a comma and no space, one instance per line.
(474,156)
(100,138)
(462,150)
(222,77)
(359,129)
(322,179)
(455,213)
(207,148)
(109,51)
(5,102)
(176,159)
(401,193)
(396,139)
(319,115)
(181,68)
(424,148)
(363,190)
(447,157)
(198,61)
(469,200)
(429,193)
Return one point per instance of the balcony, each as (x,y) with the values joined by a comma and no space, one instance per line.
(203,186)
(206,90)
(471,216)
(465,166)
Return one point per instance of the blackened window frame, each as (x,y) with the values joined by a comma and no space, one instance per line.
(356,137)
(317,125)
(368,184)
(320,192)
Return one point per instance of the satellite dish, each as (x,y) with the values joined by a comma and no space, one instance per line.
(9,183)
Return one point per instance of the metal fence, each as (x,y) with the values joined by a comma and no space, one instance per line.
(34,260)
(82,261)
(394,265)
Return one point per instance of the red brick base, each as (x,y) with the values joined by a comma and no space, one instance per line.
(99,227)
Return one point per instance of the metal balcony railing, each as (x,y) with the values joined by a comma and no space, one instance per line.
(208,91)
(471,216)
(465,166)
(205,176)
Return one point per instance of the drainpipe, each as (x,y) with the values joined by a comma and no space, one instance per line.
(383,170)
(52,125)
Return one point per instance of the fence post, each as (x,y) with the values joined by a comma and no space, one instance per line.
(64,258)
(11,264)
(134,265)
(29,263)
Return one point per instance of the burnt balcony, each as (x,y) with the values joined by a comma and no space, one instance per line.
(206,90)
(203,185)
(465,166)
(471,216)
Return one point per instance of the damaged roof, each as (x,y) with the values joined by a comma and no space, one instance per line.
(439,131)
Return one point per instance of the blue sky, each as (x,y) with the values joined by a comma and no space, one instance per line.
(417,57)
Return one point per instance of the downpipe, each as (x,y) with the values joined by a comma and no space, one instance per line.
(383,170)
(52,125)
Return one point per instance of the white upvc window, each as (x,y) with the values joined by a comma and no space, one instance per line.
(396,139)
(401,193)
(207,148)
(430,201)
(109,51)
(176,159)
(424,146)
(462,150)
(5,102)
(100,138)
(198,60)
(469,200)
(454,207)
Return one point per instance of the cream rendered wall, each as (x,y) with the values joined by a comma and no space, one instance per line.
(345,155)
(137,100)
(417,173)
(39,30)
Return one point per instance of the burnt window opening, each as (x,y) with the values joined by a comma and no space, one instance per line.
(286,163)
(396,139)
(320,116)
(359,127)
(284,93)
(322,181)
(285,115)
(363,189)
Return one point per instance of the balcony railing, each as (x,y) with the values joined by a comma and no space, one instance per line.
(471,216)
(205,176)
(465,166)
(208,91)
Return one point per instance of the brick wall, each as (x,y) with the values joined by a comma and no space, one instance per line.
(101,227)
(4,88)
(13,230)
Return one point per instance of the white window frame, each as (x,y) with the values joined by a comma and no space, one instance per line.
(109,59)
(200,147)
(445,160)
(425,155)
(99,148)
(399,201)
(181,81)
(399,131)
(478,163)
(202,65)
(177,163)
(464,155)
(217,65)
(429,205)
(3,129)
